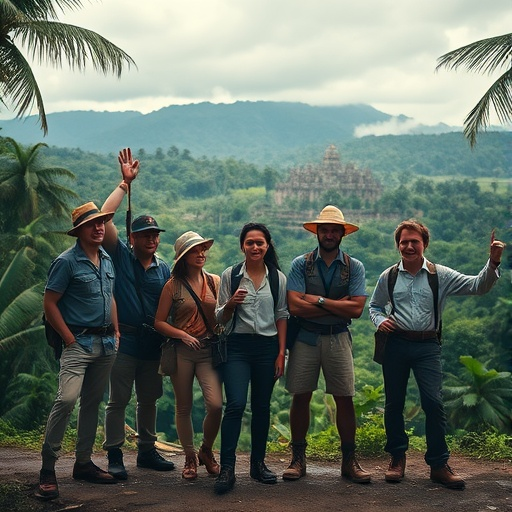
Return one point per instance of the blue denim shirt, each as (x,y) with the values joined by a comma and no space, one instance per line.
(129,308)
(86,290)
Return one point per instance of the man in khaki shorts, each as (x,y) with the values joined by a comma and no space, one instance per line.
(326,289)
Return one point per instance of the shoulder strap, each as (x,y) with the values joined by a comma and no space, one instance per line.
(273,277)
(211,284)
(433,282)
(235,277)
(392,276)
(198,304)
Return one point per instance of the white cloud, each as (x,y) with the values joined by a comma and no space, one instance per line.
(321,52)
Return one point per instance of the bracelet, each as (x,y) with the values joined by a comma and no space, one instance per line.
(124,187)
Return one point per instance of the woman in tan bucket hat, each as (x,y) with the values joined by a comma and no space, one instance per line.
(190,321)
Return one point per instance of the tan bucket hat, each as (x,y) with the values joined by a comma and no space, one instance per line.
(85,213)
(330,215)
(188,240)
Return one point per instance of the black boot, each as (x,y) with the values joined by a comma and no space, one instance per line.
(115,464)
(261,473)
(225,481)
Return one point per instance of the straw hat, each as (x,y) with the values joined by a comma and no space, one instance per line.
(188,240)
(86,213)
(330,215)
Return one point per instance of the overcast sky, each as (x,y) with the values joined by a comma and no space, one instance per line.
(320,52)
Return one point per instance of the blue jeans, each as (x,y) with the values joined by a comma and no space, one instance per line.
(251,358)
(424,359)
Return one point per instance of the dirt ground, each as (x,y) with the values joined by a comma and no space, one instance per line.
(488,487)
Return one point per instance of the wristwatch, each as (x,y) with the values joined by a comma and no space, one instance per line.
(321,301)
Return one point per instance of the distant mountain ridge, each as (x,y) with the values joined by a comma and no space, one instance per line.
(244,130)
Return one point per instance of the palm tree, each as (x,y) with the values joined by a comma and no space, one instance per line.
(485,56)
(480,398)
(28,188)
(34,25)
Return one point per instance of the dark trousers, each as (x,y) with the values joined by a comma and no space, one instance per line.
(424,359)
(251,359)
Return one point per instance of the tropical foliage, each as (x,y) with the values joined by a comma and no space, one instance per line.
(460,213)
(33,25)
(485,56)
(479,398)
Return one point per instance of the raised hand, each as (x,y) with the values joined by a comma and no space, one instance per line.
(129,166)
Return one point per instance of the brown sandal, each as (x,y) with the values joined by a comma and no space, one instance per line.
(206,458)
(190,469)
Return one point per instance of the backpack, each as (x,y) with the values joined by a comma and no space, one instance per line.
(52,337)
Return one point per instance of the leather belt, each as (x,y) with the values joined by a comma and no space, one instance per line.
(103,330)
(327,329)
(128,329)
(417,335)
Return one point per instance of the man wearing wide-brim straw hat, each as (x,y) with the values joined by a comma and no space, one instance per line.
(326,289)
(79,304)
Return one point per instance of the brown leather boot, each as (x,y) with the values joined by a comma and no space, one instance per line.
(297,467)
(446,476)
(396,469)
(206,458)
(351,469)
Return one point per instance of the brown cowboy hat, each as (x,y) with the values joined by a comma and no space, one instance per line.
(330,215)
(188,240)
(85,213)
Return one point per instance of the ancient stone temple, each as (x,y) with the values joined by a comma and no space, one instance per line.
(309,183)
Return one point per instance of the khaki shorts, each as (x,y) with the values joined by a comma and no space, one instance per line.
(332,354)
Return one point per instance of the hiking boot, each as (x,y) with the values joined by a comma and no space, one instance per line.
(92,473)
(48,488)
(446,476)
(225,481)
(297,467)
(190,470)
(206,458)
(260,472)
(396,469)
(351,469)
(115,464)
(153,460)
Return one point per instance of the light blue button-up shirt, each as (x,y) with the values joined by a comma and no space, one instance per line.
(412,295)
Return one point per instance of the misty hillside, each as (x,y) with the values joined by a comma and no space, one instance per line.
(254,131)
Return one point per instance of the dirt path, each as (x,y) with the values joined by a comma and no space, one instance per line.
(488,488)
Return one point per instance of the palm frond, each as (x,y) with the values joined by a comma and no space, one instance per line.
(52,42)
(499,95)
(484,56)
(18,83)
(14,279)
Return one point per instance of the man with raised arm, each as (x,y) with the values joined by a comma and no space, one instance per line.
(141,277)
(409,313)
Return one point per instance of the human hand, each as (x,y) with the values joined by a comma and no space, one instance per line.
(388,325)
(129,166)
(496,249)
(279,366)
(238,297)
(191,342)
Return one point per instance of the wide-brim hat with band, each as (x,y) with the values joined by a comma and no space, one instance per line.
(330,215)
(187,241)
(86,213)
